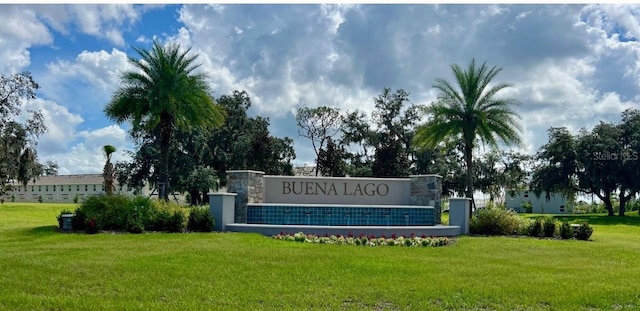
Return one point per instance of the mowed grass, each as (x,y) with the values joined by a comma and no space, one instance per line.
(41,269)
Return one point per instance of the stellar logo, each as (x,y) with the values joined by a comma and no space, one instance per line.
(615,156)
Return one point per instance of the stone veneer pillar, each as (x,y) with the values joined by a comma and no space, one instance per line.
(249,187)
(426,190)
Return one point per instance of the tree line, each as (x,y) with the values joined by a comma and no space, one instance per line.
(185,139)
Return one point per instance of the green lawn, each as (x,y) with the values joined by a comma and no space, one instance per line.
(41,269)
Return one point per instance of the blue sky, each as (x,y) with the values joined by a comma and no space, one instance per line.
(571,65)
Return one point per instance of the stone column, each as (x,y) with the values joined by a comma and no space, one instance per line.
(426,190)
(459,213)
(249,187)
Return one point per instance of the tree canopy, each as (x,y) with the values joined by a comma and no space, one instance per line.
(163,94)
(470,111)
(19,132)
(603,161)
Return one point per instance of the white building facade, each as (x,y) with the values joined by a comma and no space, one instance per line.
(556,204)
(61,189)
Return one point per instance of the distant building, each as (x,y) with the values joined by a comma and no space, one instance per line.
(62,189)
(557,203)
(305,170)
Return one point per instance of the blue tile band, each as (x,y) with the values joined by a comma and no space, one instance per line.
(340,215)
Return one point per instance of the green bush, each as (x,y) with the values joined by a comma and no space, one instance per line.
(494,221)
(200,219)
(527,207)
(525,226)
(141,214)
(111,211)
(79,220)
(92,225)
(549,226)
(566,232)
(132,214)
(584,232)
(536,227)
(171,217)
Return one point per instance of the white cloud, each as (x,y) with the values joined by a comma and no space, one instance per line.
(99,70)
(59,122)
(21,29)
(87,157)
(104,21)
(571,65)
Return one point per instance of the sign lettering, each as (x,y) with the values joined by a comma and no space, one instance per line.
(329,188)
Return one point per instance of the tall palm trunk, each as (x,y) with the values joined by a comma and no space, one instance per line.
(468,154)
(165,142)
(107,173)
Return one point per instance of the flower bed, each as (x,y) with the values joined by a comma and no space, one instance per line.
(364,240)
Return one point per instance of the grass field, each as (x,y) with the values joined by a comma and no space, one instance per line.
(41,269)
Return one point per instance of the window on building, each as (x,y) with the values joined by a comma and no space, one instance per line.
(54,188)
(46,188)
(86,187)
(32,188)
(78,186)
(103,187)
(69,187)
(61,188)
(94,188)
(526,194)
(39,188)
(562,208)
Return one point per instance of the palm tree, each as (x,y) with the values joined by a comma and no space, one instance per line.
(470,113)
(163,94)
(108,171)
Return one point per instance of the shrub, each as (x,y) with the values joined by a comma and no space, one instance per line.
(299,237)
(536,227)
(110,211)
(92,225)
(371,240)
(566,232)
(494,221)
(200,219)
(132,214)
(549,226)
(527,207)
(525,226)
(141,214)
(584,232)
(171,217)
(79,220)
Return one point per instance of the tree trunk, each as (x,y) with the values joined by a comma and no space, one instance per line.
(165,142)
(108,173)
(193,197)
(608,205)
(623,202)
(205,197)
(468,154)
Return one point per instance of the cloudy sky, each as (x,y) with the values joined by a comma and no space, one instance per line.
(571,65)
